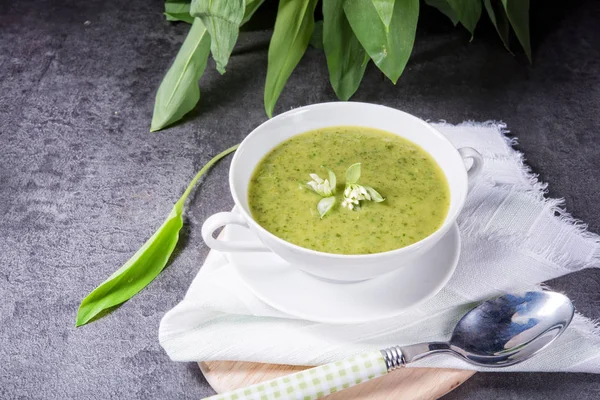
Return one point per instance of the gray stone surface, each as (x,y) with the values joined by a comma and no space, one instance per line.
(83,183)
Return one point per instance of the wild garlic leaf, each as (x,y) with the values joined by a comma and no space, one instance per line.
(178,11)
(179,92)
(136,273)
(291,35)
(222,20)
(385,9)
(316,39)
(332,179)
(353,174)
(444,8)
(145,264)
(497,14)
(468,12)
(346,58)
(251,7)
(325,205)
(518,15)
(375,196)
(388,48)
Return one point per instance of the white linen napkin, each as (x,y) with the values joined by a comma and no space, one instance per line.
(512,238)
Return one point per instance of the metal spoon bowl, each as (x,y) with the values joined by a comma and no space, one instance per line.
(502,331)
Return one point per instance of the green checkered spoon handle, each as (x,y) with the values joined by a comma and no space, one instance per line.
(497,333)
(319,381)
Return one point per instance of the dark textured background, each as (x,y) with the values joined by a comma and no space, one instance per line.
(83,183)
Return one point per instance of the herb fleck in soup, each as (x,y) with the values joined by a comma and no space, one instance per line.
(414,187)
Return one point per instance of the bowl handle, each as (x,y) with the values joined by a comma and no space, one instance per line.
(469,152)
(218,220)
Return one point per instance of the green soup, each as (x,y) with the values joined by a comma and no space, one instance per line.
(414,187)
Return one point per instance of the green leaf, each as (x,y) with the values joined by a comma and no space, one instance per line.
(179,92)
(468,12)
(173,17)
(375,196)
(223,20)
(385,9)
(332,179)
(388,48)
(346,58)
(325,205)
(145,264)
(316,39)
(177,7)
(518,15)
(251,7)
(444,8)
(353,174)
(498,17)
(291,35)
(176,11)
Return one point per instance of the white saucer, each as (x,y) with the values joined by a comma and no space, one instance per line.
(288,289)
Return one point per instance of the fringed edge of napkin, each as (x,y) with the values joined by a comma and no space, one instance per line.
(539,190)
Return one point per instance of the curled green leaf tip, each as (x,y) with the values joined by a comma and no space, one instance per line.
(222,20)
(145,264)
(325,205)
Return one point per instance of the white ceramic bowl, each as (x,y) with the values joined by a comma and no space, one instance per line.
(337,266)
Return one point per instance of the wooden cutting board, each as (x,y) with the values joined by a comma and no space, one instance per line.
(402,384)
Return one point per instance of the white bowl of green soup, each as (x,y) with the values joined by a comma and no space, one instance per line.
(345,191)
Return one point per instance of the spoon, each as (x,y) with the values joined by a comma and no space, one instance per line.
(497,333)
